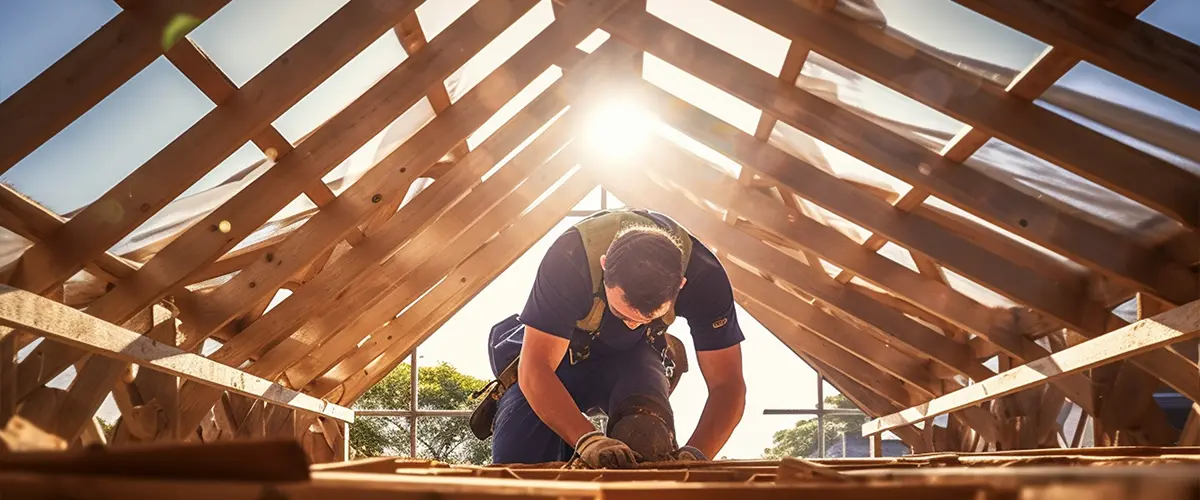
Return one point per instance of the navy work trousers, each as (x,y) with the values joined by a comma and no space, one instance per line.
(604,380)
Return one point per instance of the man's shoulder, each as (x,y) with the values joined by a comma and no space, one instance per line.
(567,248)
(566,259)
(702,262)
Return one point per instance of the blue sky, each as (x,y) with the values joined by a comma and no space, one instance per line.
(154,107)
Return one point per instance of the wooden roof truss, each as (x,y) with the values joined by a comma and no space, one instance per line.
(373,274)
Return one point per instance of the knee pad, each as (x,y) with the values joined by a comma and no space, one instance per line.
(645,425)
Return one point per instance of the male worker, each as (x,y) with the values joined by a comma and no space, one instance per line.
(591,336)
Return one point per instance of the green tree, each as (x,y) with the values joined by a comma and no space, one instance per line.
(447,439)
(801,439)
(109,429)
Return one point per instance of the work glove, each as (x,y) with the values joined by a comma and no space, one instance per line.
(689,454)
(598,451)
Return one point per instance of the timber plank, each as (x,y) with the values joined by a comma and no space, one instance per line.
(970,99)
(20,309)
(1143,336)
(217,135)
(88,73)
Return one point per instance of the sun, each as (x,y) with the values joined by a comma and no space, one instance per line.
(617,128)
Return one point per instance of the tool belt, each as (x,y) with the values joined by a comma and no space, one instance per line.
(674,359)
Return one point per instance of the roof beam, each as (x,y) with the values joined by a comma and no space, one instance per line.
(915,233)
(205,75)
(1146,335)
(862,344)
(34,222)
(214,137)
(892,153)
(328,146)
(698,178)
(637,188)
(1108,38)
(389,345)
(970,99)
(483,211)
(88,73)
(793,64)
(366,305)
(417,215)
(412,38)
(931,296)
(20,309)
(706,183)
(391,177)
(856,368)
(1031,83)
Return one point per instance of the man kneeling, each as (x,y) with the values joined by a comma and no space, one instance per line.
(592,336)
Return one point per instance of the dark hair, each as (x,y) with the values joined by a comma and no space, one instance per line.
(647,264)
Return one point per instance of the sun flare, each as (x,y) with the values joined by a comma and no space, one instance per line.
(618,129)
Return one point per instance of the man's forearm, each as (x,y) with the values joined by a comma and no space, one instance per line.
(721,415)
(553,404)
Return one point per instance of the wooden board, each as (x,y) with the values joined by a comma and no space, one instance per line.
(1145,335)
(23,310)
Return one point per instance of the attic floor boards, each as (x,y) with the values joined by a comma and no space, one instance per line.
(277,470)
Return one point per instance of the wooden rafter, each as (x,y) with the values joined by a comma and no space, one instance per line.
(968,98)
(498,201)
(391,344)
(391,177)
(314,157)
(24,310)
(869,348)
(819,338)
(253,106)
(1145,335)
(412,39)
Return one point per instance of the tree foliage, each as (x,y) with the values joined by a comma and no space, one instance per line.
(801,439)
(447,439)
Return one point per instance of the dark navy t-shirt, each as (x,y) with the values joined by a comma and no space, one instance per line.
(562,295)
